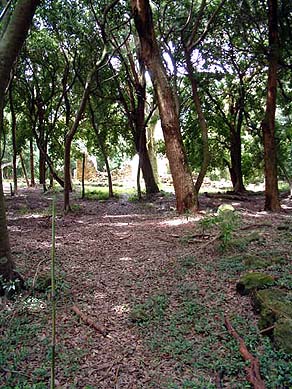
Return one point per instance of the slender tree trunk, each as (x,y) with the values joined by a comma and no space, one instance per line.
(31,161)
(151,147)
(141,142)
(236,166)
(68,141)
(24,169)
(186,198)
(83,176)
(41,142)
(12,39)
(104,153)
(47,159)
(6,261)
(109,176)
(272,202)
(145,164)
(202,121)
(13,130)
(42,167)
(71,133)
(139,193)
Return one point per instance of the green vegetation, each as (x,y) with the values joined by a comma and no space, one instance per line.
(225,222)
(250,282)
(190,330)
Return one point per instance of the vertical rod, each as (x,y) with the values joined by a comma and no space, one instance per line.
(53,294)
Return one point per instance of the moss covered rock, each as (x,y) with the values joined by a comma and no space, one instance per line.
(225,208)
(250,282)
(283,334)
(254,262)
(275,309)
(262,262)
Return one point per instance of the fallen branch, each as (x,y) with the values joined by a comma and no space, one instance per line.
(255,226)
(253,372)
(227,196)
(14,372)
(89,321)
(268,329)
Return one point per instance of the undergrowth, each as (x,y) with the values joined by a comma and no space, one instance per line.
(25,335)
(185,324)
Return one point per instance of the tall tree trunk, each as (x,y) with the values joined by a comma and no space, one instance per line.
(11,41)
(43,152)
(140,129)
(68,141)
(83,176)
(235,156)
(6,261)
(109,175)
(31,162)
(151,147)
(42,166)
(202,120)
(272,202)
(41,141)
(104,153)
(13,130)
(186,198)
(144,161)
(24,169)
(71,133)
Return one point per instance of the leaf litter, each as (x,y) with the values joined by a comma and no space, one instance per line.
(113,257)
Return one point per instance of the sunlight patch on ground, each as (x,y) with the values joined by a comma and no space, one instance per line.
(284,206)
(34,216)
(126,259)
(121,309)
(99,295)
(34,304)
(180,221)
(121,216)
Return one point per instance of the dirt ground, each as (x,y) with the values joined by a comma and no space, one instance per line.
(112,255)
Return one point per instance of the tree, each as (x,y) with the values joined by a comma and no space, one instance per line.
(272,202)
(11,42)
(186,198)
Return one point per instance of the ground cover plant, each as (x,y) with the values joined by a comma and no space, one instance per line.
(158,285)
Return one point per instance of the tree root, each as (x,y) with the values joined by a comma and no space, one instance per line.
(253,371)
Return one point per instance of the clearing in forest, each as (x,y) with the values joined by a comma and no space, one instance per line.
(156,285)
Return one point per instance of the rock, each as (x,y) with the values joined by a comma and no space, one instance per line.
(254,262)
(250,282)
(283,334)
(225,208)
(275,308)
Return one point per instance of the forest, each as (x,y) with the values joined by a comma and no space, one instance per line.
(145,194)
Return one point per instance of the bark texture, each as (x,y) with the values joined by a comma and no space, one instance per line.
(272,202)
(13,130)
(11,42)
(186,199)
